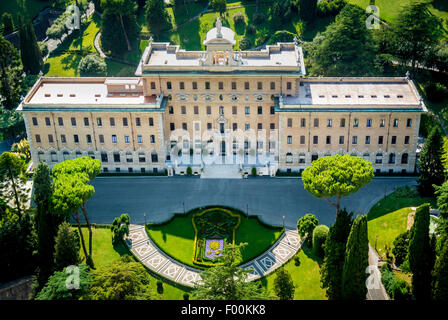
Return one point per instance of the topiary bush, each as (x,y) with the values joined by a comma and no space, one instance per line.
(297,261)
(254,172)
(320,234)
(189,171)
(306,225)
(238,18)
(245,43)
(159,287)
(92,66)
(186,296)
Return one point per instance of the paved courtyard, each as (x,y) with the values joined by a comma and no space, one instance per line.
(270,198)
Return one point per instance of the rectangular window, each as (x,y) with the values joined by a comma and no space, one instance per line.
(355,140)
(395,123)
(117,158)
(355,123)
(233,85)
(260,126)
(260,85)
(89,138)
(328,140)
(303,123)
(99,123)
(63,139)
(343,123)
(137,122)
(170,110)
(246,85)
(272,85)
(234,126)
(184,125)
(101,137)
(288,85)
(47,121)
(168,85)
(139,139)
(247,110)
(315,139)
(272,126)
(38,138)
(181,85)
(196,110)
(151,122)
(60,121)
(260,110)
(73,121)
(289,140)
(406,140)
(209,110)
(302,139)
(367,139)
(126,139)
(172,126)
(154,158)
(34,119)
(272,110)
(289,123)
(183,110)
(382,122)
(152,138)
(221,85)
(50,138)
(125,122)
(195,85)
(86,122)
(234,110)
(207,85)
(369,123)
(380,140)
(316,122)
(153,85)
(329,123)
(247,126)
(112,122)
(114,138)
(341,139)
(76,138)
(209,126)
(104,157)
(408,123)
(394,140)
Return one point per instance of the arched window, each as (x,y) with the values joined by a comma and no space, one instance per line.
(301,158)
(41,156)
(379,158)
(78,154)
(54,156)
(392,158)
(65,155)
(366,156)
(154,157)
(129,157)
(289,157)
(404,158)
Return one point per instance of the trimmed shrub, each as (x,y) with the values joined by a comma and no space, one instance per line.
(245,43)
(320,234)
(238,18)
(296,261)
(306,225)
(254,171)
(92,66)
(258,18)
(159,287)
(189,171)
(186,296)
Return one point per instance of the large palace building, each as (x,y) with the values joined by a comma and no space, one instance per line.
(132,124)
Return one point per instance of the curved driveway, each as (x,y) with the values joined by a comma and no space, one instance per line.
(270,198)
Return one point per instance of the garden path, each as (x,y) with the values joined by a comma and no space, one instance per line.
(157,261)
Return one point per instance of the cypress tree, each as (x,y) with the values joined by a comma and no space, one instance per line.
(331,271)
(421,254)
(440,289)
(67,246)
(354,274)
(11,74)
(430,163)
(29,48)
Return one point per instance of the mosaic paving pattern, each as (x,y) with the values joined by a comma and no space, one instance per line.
(152,257)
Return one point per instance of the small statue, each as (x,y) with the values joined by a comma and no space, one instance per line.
(218,28)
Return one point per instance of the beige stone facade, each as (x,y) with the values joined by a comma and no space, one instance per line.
(128,123)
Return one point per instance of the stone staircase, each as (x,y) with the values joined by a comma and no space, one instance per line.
(221,171)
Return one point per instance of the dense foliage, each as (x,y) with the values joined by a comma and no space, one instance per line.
(66,246)
(11,76)
(120,228)
(92,66)
(283,285)
(320,234)
(158,18)
(306,225)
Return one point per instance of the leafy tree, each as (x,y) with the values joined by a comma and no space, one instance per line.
(415,32)
(45,221)
(401,247)
(11,75)
(283,285)
(57,289)
(279,13)
(23,147)
(440,274)
(228,281)
(17,247)
(306,225)
(420,256)
(157,17)
(29,49)
(122,280)
(354,274)
(337,176)
(92,65)
(120,228)
(345,48)
(307,9)
(219,6)
(123,14)
(320,234)
(8,24)
(430,163)
(12,181)
(66,247)
(335,245)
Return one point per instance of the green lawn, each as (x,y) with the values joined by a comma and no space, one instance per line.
(176,238)
(62,65)
(306,277)
(389,10)
(388,218)
(105,253)
(33,7)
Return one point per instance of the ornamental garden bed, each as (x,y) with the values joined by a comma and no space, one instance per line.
(178,239)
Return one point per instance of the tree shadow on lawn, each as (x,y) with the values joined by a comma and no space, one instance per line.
(310,254)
